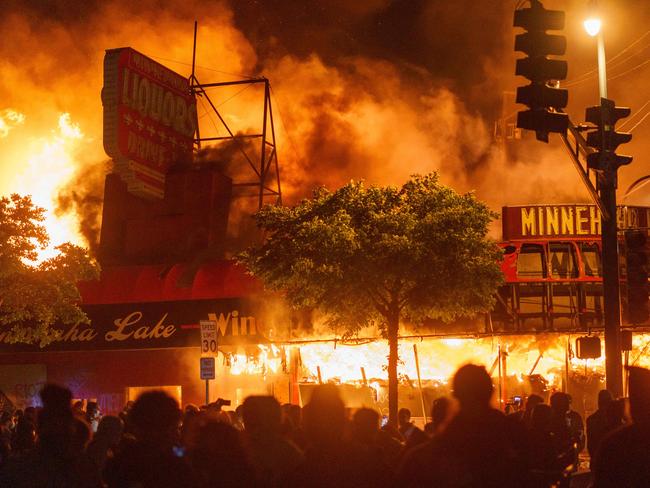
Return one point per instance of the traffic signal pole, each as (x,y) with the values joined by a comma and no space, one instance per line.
(607,184)
(611,292)
(545,115)
(605,198)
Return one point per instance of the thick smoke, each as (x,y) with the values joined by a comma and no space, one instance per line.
(83,196)
(375,89)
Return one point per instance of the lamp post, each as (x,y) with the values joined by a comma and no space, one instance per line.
(606,184)
(593,26)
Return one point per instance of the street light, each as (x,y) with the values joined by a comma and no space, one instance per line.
(593,26)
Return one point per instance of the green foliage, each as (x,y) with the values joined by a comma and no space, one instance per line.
(375,254)
(33,297)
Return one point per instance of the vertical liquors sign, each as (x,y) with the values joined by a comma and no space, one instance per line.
(149,120)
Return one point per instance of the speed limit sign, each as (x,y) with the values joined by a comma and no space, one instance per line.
(208,337)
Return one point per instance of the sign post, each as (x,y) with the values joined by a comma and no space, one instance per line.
(207,374)
(209,351)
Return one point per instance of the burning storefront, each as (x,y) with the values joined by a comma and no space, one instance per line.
(165,229)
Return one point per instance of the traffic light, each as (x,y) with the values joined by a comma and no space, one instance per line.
(542,97)
(636,262)
(605,139)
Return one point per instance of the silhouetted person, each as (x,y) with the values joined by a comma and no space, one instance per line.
(546,460)
(623,459)
(78,408)
(475,450)
(441,412)
(30,414)
(615,414)
(567,429)
(292,425)
(6,433)
(151,461)
(412,435)
(330,460)
(272,456)
(597,424)
(531,402)
(23,440)
(124,415)
(218,458)
(81,435)
(92,415)
(56,460)
(377,443)
(105,441)
(577,427)
(193,419)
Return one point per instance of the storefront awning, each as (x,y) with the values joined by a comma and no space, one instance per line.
(165,283)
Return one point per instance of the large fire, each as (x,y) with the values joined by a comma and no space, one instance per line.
(546,355)
(45,162)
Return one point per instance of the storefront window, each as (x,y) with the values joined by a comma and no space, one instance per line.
(563,260)
(531,263)
(591,258)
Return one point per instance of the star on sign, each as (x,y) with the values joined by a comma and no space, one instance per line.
(139,124)
(128,119)
(151,130)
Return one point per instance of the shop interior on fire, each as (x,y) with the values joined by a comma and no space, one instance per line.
(165,241)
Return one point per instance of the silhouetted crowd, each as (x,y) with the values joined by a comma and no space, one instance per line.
(152,443)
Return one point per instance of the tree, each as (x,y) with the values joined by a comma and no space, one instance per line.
(34,297)
(379,255)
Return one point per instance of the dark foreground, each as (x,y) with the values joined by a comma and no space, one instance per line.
(262,444)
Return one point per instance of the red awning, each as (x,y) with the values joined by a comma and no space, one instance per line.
(161,283)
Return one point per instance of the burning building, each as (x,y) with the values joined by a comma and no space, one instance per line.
(167,224)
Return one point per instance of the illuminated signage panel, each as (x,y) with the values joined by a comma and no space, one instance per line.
(576,220)
(149,120)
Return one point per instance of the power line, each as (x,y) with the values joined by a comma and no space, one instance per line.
(246,87)
(634,115)
(291,143)
(209,116)
(639,122)
(609,78)
(632,44)
(202,67)
(629,70)
(611,63)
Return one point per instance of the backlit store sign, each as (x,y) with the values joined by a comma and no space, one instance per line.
(149,120)
(545,221)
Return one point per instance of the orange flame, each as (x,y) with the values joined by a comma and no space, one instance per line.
(439,358)
(48,165)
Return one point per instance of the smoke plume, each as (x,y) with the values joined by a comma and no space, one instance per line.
(374,89)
